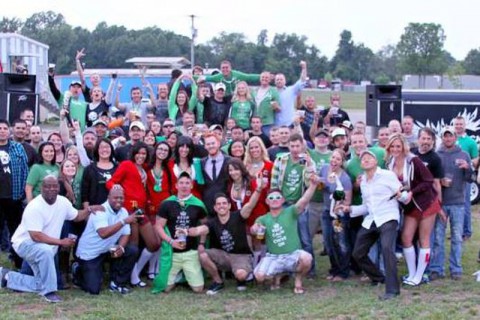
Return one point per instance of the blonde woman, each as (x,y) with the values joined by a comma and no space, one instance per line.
(243,105)
(256,158)
(421,204)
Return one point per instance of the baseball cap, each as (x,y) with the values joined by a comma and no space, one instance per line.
(99,121)
(365,152)
(322,132)
(219,86)
(338,132)
(75,83)
(214,127)
(117,132)
(347,125)
(137,124)
(448,129)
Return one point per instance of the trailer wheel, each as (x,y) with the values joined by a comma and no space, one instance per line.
(474,193)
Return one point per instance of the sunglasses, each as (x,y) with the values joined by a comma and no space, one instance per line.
(168,125)
(274,197)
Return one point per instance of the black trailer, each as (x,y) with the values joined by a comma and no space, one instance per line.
(429,108)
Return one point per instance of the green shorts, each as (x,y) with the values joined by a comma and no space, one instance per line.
(189,263)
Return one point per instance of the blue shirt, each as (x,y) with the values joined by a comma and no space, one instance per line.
(91,245)
(288,98)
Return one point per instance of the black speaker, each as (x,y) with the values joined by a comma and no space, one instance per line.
(17,82)
(12,104)
(380,112)
(384,92)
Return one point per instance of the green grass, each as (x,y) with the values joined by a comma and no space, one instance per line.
(349,100)
(442,299)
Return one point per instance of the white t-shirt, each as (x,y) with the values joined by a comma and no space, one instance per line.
(42,217)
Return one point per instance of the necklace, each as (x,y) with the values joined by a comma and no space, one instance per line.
(158,180)
(237,187)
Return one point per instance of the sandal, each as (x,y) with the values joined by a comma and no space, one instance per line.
(151,276)
(298,290)
(409,283)
(139,284)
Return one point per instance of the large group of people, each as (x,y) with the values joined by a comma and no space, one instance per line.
(212,174)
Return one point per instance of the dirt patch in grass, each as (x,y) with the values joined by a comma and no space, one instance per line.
(31,308)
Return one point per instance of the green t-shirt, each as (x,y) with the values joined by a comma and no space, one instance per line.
(264,108)
(292,185)
(320,160)
(242,111)
(78,110)
(468,145)
(354,170)
(37,173)
(281,234)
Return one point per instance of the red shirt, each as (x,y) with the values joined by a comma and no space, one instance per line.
(128,176)
(155,198)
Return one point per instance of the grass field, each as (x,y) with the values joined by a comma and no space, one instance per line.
(442,299)
(349,100)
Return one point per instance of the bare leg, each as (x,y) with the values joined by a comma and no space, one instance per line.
(210,267)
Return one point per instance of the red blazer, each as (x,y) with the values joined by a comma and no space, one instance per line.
(155,199)
(129,178)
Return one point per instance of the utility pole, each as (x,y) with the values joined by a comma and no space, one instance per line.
(192,46)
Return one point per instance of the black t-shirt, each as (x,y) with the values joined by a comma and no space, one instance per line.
(432,161)
(5,173)
(337,119)
(32,155)
(94,181)
(265,139)
(93,112)
(230,237)
(273,152)
(161,111)
(216,112)
(178,217)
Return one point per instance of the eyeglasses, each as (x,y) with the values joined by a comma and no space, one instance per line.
(274,197)
(168,125)
(162,149)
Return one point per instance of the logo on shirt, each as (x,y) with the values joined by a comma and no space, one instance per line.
(278,235)
(227,241)
(5,161)
(293,180)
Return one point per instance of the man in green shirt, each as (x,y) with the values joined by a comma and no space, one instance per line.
(279,227)
(229,77)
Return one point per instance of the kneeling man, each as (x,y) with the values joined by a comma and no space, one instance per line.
(106,237)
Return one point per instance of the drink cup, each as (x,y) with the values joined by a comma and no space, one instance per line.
(321,184)
(261,232)
(72,236)
(113,250)
(181,236)
(300,114)
(447,180)
(458,162)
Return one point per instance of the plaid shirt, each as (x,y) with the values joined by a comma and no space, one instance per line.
(19,169)
(278,171)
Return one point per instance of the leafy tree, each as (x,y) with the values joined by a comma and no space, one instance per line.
(10,25)
(472,62)
(420,50)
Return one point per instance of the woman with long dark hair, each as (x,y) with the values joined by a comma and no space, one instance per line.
(46,165)
(56,139)
(159,188)
(183,161)
(132,176)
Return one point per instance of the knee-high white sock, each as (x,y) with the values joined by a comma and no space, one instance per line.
(423,260)
(153,262)
(144,257)
(409,254)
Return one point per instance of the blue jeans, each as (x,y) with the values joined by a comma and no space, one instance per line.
(467,222)
(305,237)
(337,246)
(455,214)
(41,258)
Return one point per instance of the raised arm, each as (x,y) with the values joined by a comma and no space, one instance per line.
(305,199)
(78,63)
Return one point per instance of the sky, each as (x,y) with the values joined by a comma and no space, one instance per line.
(375,23)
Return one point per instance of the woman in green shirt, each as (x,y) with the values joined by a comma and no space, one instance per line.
(45,166)
(243,105)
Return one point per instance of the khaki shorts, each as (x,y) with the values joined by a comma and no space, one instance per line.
(230,261)
(189,263)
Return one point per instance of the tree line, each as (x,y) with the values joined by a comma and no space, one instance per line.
(420,50)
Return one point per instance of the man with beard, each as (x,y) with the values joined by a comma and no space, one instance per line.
(85,143)
(19,131)
(136,134)
(37,239)
(106,237)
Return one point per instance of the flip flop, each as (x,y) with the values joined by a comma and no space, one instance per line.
(410,283)
(139,284)
(298,290)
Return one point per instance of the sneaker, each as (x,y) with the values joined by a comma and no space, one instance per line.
(118,289)
(241,285)
(3,276)
(456,276)
(52,297)
(435,276)
(215,288)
